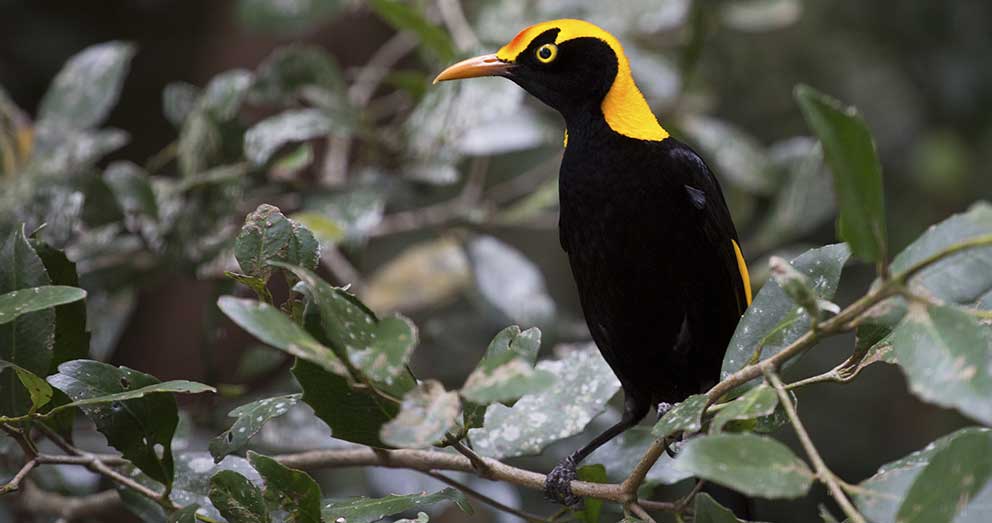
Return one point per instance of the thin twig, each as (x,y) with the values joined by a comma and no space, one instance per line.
(486,499)
(825,475)
(15,483)
(27,446)
(640,512)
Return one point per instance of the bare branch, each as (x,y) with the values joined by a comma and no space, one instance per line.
(15,483)
(486,499)
(825,475)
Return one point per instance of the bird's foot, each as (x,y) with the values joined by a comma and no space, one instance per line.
(663,408)
(558,484)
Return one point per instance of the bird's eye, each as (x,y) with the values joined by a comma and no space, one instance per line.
(547,53)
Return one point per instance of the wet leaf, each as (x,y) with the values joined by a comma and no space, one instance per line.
(754,465)
(294,490)
(87,87)
(249,420)
(194,471)
(683,417)
(15,303)
(199,143)
(796,286)
(584,383)
(755,403)
(223,95)
(268,236)
(128,409)
(369,510)
(427,414)
(237,499)
(269,135)
(507,371)
(947,357)
(773,321)
(272,327)
(426,274)
(907,483)
(850,151)
(509,282)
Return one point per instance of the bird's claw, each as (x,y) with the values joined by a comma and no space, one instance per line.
(558,484)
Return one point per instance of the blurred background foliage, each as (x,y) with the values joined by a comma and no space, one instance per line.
(145,152)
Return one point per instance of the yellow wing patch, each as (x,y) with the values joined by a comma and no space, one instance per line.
(624,107)
(742,267)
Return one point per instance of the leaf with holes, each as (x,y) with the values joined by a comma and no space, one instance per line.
(130,408)
(751,464)
(919,484)
(237,499)
(369,510)
(426,415)
(293,490)
(250,419)
(268,236)
(946,354)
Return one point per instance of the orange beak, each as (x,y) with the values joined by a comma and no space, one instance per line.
(485,65)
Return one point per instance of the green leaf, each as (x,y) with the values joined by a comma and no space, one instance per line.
(273,327)
(379,348)
(404,17)
(184,515)
(683,417)
(591,507)
(368,510)
(426,415)
(199,143)
(507,371)
(132,189)
(290,69)
(129,408)
(354,415)
(910,481)
(795,285)
(38,389)
(268,236)
(15,303)
(237,499)
(294,490)
(707,510)
(267,136)
(954,476)
(583,385)
(422,517)
(87,87)
(947,357)
(250,419)
(751,464)
(178,101)
(72,340)
(286,16)
(28,340)
(223,95)
(850,152)
(773,321)
(755,403)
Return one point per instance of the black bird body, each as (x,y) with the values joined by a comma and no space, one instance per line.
(649,238)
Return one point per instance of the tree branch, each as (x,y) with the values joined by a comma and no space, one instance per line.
(825,475)
(486,499)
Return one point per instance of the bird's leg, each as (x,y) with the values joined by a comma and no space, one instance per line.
(557,485)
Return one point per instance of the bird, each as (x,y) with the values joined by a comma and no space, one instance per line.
(655,255)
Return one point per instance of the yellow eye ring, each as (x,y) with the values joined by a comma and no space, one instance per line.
(546,53)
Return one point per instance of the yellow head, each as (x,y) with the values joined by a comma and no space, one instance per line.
(574,67)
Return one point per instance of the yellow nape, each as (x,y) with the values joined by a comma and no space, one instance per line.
(742,267)
(624,107)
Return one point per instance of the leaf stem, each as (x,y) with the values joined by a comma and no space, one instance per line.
(825,475)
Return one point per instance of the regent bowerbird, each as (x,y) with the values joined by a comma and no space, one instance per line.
(654,252)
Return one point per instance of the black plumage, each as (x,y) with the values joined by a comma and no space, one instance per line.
(647,231)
